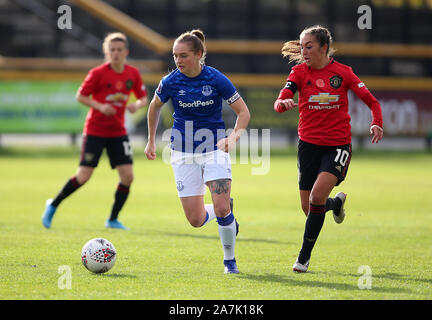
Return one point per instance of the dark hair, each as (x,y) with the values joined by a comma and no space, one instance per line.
(196,38)
(292,49)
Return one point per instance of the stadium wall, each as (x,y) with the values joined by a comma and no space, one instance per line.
(44,102)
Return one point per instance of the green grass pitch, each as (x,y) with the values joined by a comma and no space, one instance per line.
(383,250)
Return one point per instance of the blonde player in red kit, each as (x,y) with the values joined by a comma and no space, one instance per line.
(324,148)
(106,91)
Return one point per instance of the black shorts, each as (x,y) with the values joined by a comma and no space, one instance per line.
(118,149)
(313,159)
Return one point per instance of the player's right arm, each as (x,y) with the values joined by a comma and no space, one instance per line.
(282,105)
(153,115)
(284,101)
(88,87)
(104,108)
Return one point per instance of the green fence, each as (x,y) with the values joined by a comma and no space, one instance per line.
(40,107)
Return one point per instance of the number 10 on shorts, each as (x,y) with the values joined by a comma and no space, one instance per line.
(342,156)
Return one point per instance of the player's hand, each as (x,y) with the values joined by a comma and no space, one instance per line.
(107,109)
(284,105)
(377,133)
(226,144)
(150,150)
(132,107)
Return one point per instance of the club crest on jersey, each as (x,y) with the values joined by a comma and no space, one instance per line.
(207,90)
(336,82)
(129,84)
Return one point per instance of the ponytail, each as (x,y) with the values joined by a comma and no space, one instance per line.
(292,49)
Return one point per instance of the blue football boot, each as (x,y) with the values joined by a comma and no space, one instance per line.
(231,266)
(115,224)
(48,214)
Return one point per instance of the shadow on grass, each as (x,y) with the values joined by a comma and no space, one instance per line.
(387,275)
(115,275)
(216,237)
(301,280)
(401,277)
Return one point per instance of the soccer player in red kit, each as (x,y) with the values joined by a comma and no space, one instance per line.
(324,148)
(106,91)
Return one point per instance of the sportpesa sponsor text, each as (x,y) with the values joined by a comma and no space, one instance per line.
(196,103)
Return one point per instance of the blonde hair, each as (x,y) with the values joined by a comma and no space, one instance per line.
(292,49)
(196,38)
(115,36)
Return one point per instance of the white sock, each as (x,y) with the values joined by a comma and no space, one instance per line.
(227,235)
(210,213)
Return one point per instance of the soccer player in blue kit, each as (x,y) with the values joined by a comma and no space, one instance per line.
(199,144)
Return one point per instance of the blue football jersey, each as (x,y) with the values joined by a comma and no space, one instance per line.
(197,102)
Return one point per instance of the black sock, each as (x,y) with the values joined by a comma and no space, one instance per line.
(71,186)
(120,197)
(314,223)
(333,204)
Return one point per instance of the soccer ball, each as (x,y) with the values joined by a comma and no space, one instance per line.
(98,255)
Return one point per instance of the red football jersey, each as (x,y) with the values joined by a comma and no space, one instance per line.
(323,102)
(107,86)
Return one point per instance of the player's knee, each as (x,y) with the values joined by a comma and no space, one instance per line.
(195,222)
(128,179)
(83,178)
(317,199)
(84,174)
(221,208)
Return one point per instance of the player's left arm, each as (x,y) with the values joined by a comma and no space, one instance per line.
(360,89)
(138,104)
(141,93)
(243,117)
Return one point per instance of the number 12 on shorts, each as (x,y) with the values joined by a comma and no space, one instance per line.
(127,148)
